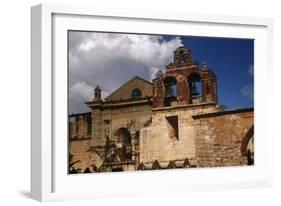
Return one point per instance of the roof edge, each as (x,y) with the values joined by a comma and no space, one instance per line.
(130,80)
(215,114)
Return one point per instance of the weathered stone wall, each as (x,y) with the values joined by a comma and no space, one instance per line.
(78,149)
(214,138)
(206,134)
(156,141)
(105,123)
(80,126)
(219,138)
(131,117)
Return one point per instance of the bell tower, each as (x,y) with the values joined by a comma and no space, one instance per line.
(182,56)
(184,82)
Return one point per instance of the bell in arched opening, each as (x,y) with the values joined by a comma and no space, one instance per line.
(194,91)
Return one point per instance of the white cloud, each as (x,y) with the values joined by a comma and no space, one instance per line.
(247,91)
(110,59)
(81,90)
(251,70)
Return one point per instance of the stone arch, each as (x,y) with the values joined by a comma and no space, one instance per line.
(123,142)
(245,141)
(120,124)
(170,94)
(194,73)
(122,136)
(194,81)
(170,84)
(136,93)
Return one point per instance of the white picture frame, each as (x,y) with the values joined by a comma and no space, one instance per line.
(49,181)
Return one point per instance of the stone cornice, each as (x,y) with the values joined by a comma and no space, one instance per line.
(215,114)
(184,106)
(120,103)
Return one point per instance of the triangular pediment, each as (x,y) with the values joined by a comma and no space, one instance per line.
(125,91)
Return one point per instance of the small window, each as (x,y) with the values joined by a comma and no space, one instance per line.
(136,93)
(107,121)
(173,129)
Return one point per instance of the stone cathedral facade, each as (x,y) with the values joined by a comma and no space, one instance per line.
(175,121)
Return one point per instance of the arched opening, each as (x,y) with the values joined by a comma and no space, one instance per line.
(122,135)
(170,84)
(250,152)
(247,148)
(181,58)
(123,140)
(136,93)
(195,87)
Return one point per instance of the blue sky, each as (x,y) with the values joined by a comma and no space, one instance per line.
(232,61)
(111,59)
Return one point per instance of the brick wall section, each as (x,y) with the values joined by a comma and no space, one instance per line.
(181,75)
(219,138)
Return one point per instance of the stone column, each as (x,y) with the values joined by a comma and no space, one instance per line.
(133,136)
(183,94)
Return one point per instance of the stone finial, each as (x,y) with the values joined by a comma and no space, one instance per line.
(158,74)
(204,66)
(97,88)
(182,56)
(97,93)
